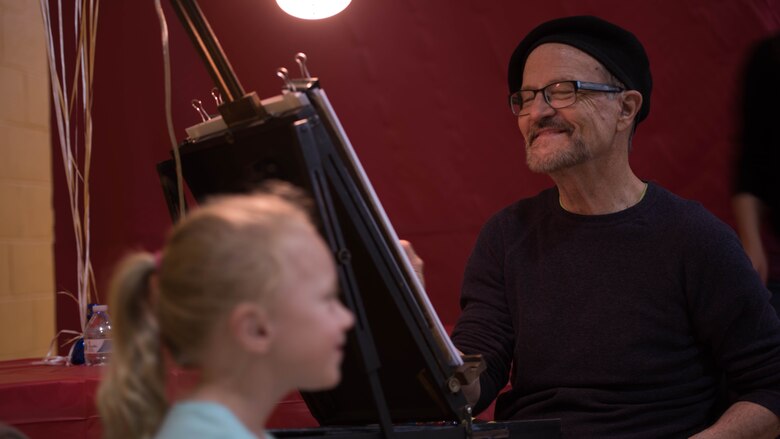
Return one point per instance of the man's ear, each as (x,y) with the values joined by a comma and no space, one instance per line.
(251,327)
(630,103)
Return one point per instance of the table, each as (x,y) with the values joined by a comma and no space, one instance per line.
(59,401)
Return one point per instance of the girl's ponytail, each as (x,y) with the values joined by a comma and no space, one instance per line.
(131,398)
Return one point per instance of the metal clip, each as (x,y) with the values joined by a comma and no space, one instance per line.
(198,106)
(217,96)
(300,58)
(285,75)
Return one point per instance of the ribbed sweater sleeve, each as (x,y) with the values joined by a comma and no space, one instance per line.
(485,326)
(728,307)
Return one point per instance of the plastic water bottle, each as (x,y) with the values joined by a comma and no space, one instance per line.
(97,337)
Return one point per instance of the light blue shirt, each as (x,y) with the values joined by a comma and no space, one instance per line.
(204,420)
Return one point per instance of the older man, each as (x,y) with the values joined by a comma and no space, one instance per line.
(606,300)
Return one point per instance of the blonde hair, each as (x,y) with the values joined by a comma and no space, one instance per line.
(224,253)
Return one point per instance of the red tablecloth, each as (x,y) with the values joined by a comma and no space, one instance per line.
(59,401)
(49,401)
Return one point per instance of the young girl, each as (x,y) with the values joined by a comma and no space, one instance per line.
(245,291)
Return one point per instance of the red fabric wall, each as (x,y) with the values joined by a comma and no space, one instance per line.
(420,88)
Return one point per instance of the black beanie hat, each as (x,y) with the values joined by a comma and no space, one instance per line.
(614,47)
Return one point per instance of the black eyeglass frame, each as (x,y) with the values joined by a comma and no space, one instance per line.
(578,85)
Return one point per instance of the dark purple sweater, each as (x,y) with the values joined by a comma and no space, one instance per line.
(621,325)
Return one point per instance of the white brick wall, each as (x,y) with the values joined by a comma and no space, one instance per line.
(26,217)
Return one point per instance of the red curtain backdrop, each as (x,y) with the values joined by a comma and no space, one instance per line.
(420,87)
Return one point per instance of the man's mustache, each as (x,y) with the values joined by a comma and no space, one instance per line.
(548,123)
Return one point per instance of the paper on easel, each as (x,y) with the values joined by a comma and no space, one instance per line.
(437,329)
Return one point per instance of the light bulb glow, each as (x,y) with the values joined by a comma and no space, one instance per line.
(313,9)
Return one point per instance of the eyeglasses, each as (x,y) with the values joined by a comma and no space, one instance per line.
(557,95)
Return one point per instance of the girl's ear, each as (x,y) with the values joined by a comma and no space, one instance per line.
(251,327)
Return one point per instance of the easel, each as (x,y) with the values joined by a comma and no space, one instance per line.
(399,373)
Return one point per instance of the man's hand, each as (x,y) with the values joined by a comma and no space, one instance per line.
(471,391)
(417,262)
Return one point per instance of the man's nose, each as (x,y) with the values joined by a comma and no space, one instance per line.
(539,107)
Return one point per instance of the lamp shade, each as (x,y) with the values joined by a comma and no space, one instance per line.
(313,9)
